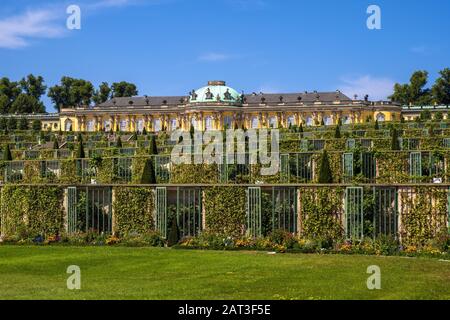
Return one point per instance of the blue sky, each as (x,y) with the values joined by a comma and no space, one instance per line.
(168,47)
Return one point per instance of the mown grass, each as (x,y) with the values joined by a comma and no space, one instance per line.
(157,273)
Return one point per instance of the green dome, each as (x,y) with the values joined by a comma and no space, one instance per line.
(215,91)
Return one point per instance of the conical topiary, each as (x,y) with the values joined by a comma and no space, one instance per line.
(337,132)
(395,144)
(144,132)
(153,147)
(80,150)
(119,142)
(7,156)
(174,234)
(55,143)
(325,175)
(377,126)
(148,174)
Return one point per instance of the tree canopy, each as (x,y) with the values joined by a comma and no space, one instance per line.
(71,93)
(123,89)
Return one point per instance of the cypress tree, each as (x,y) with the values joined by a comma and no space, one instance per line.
(395,145)
(55,143)
(80,150)
(7,156)
(337,133)
(174,234)
(325,175)
(322,123)
(144,132)
(119,143)
(153,146)
(377,126)
(300,129)
(192,131)
(148,175)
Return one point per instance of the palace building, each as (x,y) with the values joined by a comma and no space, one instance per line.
(216,107)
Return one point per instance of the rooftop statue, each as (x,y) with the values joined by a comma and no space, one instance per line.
(227,95)
(209,95)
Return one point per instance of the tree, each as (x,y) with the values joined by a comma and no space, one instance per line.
(441,88)
(144,132)
(174,234)
(33,86)
(102,94)
(153,147)
(192,131)
(4,103)
(119,143)
(71,93)
(148,174)
(439,116)
(337,132)
(413,92)
(377,125)
(395,144)
(36,125)
(12,123)
(325,175)
(123,89)
(23,124)
(425,115)
(9,89)
(3,123)
(7,156)
(55,143)
(25,103)
(80,150)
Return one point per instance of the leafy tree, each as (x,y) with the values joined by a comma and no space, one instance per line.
(102,94)
(153,147)
(7,156)
(71,93)
(55,143)
(4,103)
(439,116)
(33,86)
(23,124)
(395,144)
(3,123)
(337,132)
(441,88)
(10,89)
(25,103)
(12,123)
(174,233)
(36,125)
(325,175)
(413,92)
(119,143)
(377,125)
(144,132)
(123,89)
(148,174)
(425,115)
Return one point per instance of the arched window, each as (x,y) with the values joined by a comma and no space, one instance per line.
(107,125)
(173,124)
(328,120)
(381,117)
(227,122)
(140,125)
(123,125)
(91,125)
(194,123)
(255,123)
(346,120)
(157,125)
(209,123)
(273,122)
(291,121)
(68,125)
(309,121)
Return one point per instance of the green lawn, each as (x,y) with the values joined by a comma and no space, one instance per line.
(153,273)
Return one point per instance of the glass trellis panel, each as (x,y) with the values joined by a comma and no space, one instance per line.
(127,151)
(189,211)
(350,143)
(162,168)
(284,204)
(31,154)
(385,215)
(284,169)
(347,159)
(71,210)
(254,221)
(63,153)
(366,143)
(368,165)
(223,171)
(415,165)
(84,170)
(446,142)
(301,166)
(50,168)
(413,144)
(354,222)
(14,171)
(304,145)
(318,145)
(161,211)
(123,169)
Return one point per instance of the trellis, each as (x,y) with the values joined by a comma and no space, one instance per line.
(354,220)
(301,166)
(385,218)
(189,211)
(254,219)
(284,209)
(368,166)
(161,211)
(415,165)
(347,165)
(162,168)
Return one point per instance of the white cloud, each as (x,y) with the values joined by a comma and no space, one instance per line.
(17,31)
(376,88)
(110,4)
(214,57)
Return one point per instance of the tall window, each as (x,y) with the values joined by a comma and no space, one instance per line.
(91,125)
(123,125)
(173,124)
(255,123)
(68,125)
(273,123)
(140,125)
(209,123)
(227,122)
(328,121)
(309,121)
(291,121)
(194,123)
(107,125)
(381,117)
(157,125)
